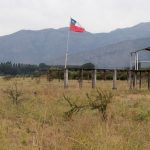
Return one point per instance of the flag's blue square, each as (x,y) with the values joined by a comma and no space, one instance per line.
(73,22)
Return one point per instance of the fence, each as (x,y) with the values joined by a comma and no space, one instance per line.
(134,77)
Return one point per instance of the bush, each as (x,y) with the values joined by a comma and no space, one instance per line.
(142,115)
(8,77)
(14,93)
(99,101)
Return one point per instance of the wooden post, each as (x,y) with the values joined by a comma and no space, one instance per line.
(88,76)
(135,79)
(94,78)
(130,79)
(81,78)
(66,78)
(148,80)
(59,75)
(104,75)
(114,79)
(140,80)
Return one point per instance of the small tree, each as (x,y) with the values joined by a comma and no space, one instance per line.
(88,66)
(14,93)
(49,76)
(99,101)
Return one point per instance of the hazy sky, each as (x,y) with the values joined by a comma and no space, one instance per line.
(94,15)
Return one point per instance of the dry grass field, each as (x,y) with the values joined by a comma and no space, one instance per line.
(36,121)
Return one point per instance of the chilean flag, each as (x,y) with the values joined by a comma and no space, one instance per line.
(75,26)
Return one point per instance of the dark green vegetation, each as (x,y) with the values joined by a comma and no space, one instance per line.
(88,66)
(14,69)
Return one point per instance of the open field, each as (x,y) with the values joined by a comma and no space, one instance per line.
(37,121)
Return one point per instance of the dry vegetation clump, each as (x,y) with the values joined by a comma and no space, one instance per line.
(37,123)
(14,93)
(99,102)
(8,77)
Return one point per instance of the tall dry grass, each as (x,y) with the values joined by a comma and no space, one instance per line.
(38,123)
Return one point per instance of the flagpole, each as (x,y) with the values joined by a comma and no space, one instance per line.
(67,50)
(68,39)
(66,59)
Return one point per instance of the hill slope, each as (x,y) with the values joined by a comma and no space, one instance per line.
(49,45)
(111,56)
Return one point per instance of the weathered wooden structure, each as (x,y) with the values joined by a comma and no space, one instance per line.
(134,77)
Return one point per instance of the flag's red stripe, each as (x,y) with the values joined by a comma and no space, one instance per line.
(76,28)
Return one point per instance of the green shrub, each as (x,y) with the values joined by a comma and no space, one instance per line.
(142,115)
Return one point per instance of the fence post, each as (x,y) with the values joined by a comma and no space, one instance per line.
(114,80)
(140,82)
(135,79)
(81,78)
(104,75)
(94,78)
(130,79)
(148,80)
(59,75)
(66,78)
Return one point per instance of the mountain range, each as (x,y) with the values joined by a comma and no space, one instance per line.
(105,50)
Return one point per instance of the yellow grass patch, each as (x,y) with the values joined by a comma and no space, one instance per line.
(38,123)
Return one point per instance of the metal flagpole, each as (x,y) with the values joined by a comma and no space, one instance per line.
(67,50)
(66,59)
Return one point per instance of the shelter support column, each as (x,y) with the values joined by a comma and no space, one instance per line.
(130,79)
